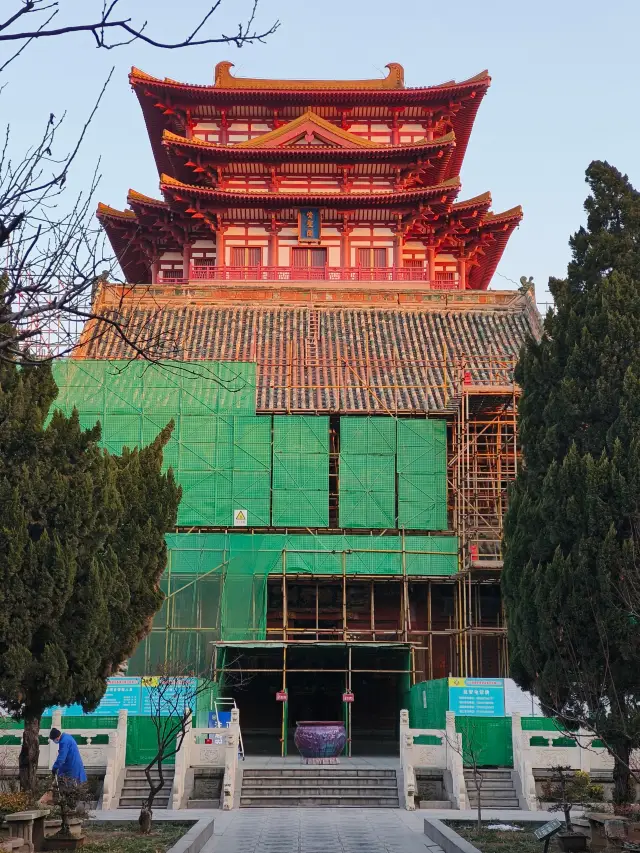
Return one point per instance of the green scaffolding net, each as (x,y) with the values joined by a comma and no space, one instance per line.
(300,471)
(216,583)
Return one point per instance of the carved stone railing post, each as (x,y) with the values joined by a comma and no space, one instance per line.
(454,762)
(116,760)
(406,762)
(183,758)
(522,764)
(231,761)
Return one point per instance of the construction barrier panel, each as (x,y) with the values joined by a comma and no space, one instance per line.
(300,495)
(367,494)
(421,464)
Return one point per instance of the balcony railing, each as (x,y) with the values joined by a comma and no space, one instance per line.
(443,281)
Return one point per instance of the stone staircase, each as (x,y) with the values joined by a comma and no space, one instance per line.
(319,786)
(136,788)
(497,791)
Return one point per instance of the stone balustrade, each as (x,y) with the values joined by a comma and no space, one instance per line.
(208,747)
(437,748)
(536,751)
(111,755)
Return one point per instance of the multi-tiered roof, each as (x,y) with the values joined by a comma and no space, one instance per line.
(370,152)
(395,310)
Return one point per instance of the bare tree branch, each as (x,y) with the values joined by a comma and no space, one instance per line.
(105,24)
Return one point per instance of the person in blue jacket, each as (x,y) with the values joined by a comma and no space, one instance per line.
(69,762)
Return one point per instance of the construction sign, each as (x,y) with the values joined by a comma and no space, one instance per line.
(240,518)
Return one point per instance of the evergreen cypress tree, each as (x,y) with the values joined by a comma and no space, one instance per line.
(571,532)
(81,553)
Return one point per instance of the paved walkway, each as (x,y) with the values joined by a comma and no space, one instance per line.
(319,831)
(322,830)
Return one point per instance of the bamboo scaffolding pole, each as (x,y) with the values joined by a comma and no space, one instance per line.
(344,595)
(349,703)
(284,704)
(285,604)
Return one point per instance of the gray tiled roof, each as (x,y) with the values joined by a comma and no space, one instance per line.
(340,359)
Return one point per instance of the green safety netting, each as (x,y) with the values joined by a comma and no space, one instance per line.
(274,470)
(367,493)
(216,583)
(300,496)
(220,449)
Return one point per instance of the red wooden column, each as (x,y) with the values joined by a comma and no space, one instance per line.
(395,125)
(345,229)
(220,260)
(462,273)
(431,263)
(224,127)
(272,254)
(186,261)
(398,242)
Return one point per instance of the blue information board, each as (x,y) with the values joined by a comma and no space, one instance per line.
(123,693)
(174,697)
(476,697)
(136,696)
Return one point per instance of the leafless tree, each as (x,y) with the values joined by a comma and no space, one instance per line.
(470,750)
(54,257)
(172,697)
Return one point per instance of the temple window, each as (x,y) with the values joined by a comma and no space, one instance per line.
(246,256)
(372,258)
(303,257)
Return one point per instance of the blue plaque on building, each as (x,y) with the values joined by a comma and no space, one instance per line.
(309,225)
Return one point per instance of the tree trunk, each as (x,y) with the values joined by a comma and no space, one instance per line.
(28,760)
(622,790)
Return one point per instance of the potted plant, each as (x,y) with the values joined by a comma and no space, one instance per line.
(67,793)
(566,789)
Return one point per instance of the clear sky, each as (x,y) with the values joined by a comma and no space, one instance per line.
(564,92)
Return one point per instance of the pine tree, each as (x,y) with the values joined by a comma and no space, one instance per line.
(571,532)
(81,553)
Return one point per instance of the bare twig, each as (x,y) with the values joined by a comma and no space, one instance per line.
(106,23)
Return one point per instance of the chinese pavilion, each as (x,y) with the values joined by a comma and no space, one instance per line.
(274,180)
(346,428)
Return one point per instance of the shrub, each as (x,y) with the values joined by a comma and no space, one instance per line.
(14,801)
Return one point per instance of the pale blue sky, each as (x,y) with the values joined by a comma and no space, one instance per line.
(565,92)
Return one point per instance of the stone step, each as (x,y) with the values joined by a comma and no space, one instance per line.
(142,790)
(495,804)
(315,782)
(491,784)
(295,800)
(318,771)
(331,791)
(135,802)
(140,774)
(203,804)
(494,774)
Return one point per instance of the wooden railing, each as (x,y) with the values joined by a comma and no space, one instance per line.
(443,281)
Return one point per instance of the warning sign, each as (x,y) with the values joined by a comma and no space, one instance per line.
(239,518)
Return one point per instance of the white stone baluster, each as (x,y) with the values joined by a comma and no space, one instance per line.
(231,761)
(521,762)
(182,763)
(406,762)
(454,762)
